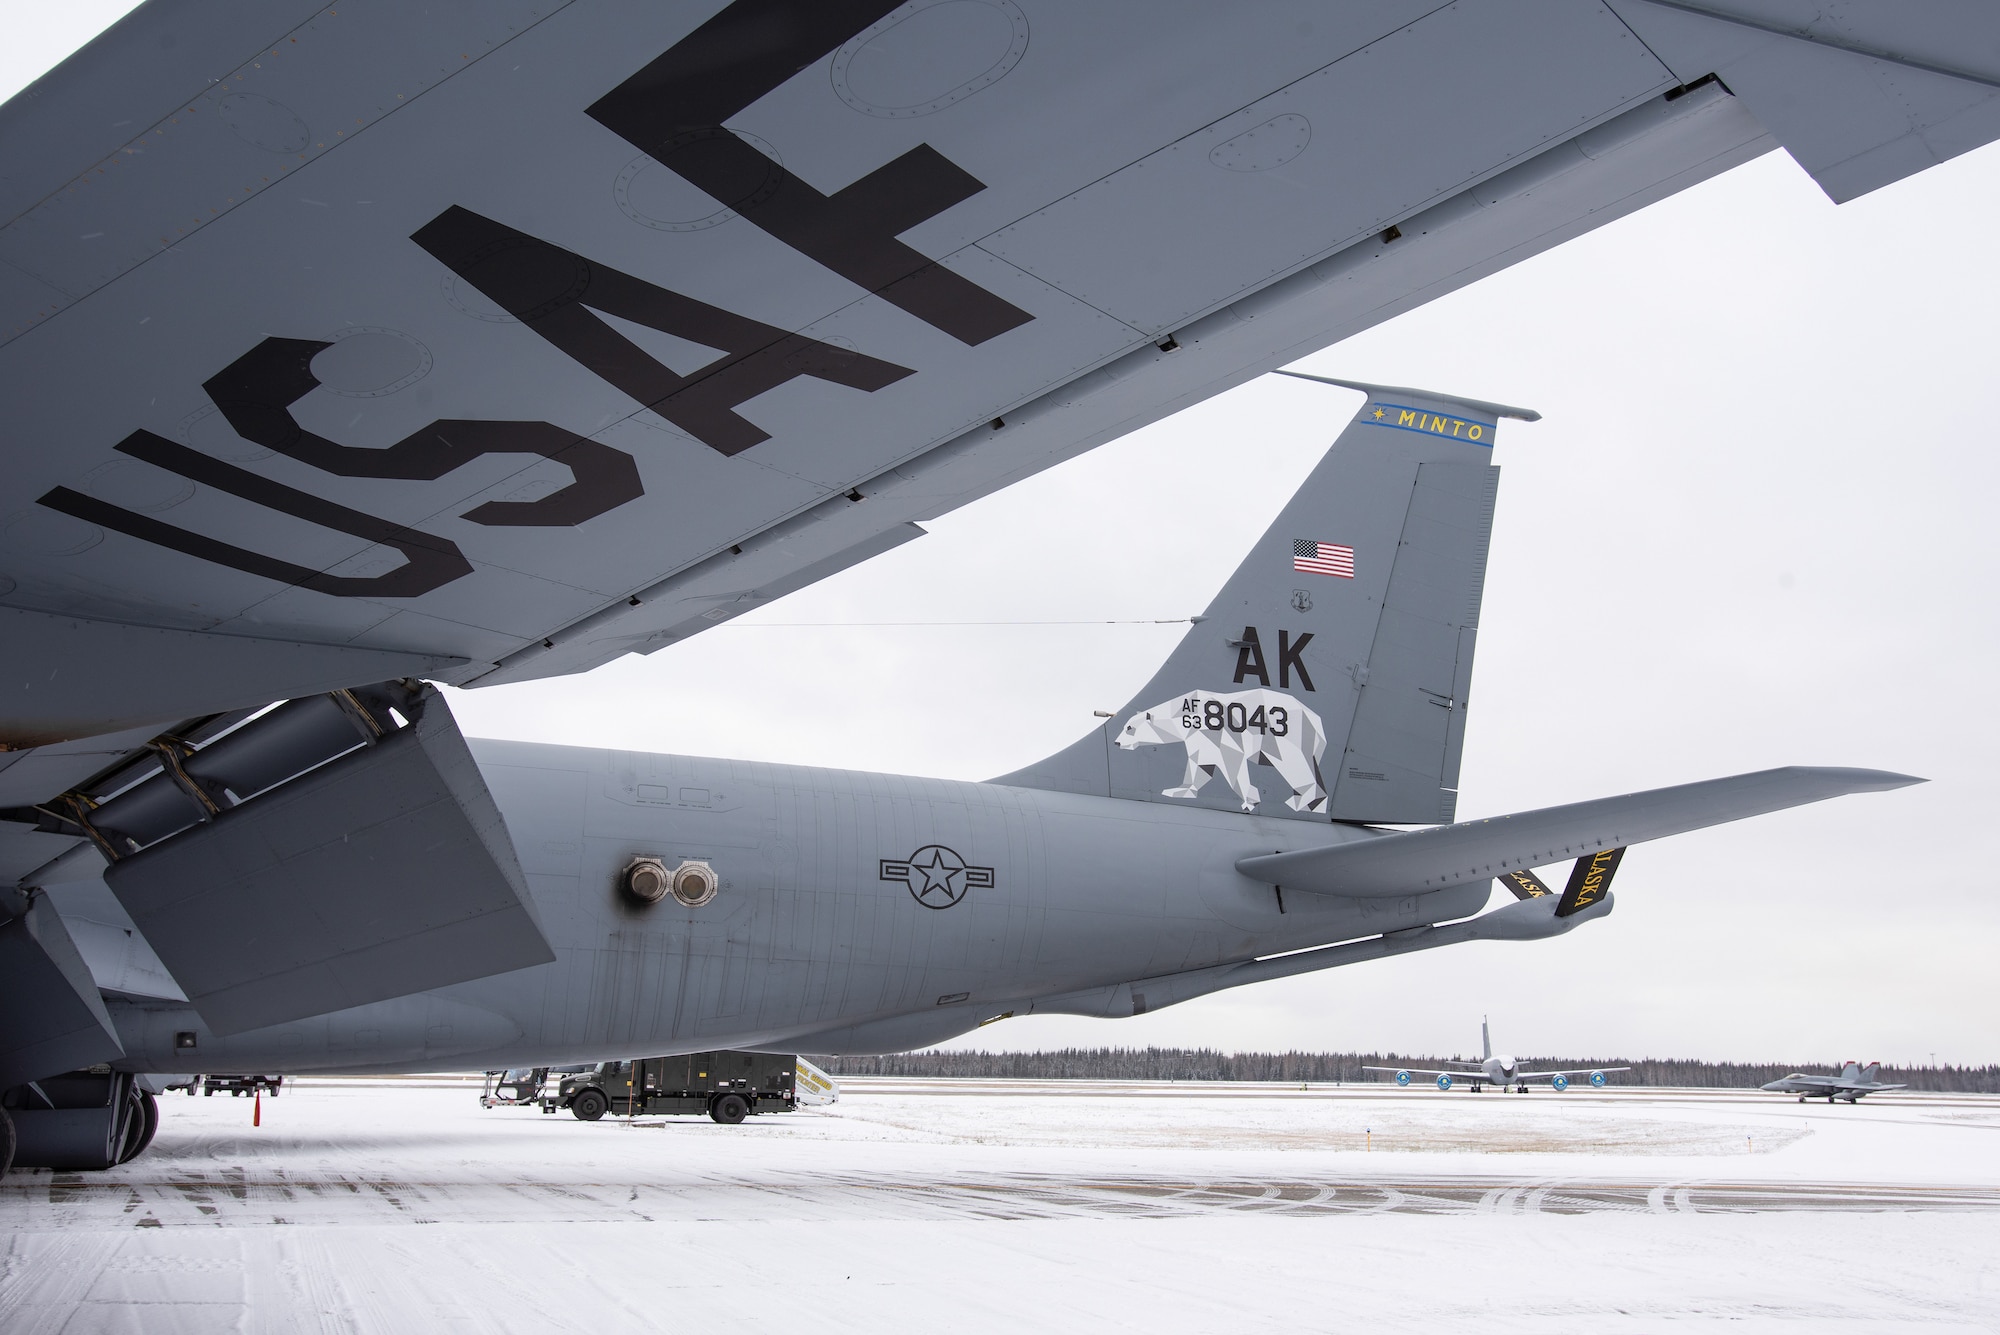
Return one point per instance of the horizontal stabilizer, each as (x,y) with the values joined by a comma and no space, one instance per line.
(1447,855)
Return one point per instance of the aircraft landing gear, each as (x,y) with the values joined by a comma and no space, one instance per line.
(142,1122)
(1520,1089)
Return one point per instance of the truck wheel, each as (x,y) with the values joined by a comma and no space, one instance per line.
(729,1110)
(589,1105)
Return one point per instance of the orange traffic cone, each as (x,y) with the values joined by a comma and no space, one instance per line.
(257,1110)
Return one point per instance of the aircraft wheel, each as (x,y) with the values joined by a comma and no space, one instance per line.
(145,1125)
(729,1110)
(589,1105)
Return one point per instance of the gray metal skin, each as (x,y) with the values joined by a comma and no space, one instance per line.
(1175,197)
(863,912)
(806,947)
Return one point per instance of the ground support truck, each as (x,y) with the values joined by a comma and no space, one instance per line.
(728,1086)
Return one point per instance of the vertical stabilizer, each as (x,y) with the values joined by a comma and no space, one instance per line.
(1485,1041)
(1328,679)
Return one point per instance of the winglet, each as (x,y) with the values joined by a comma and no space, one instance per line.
(1494,409)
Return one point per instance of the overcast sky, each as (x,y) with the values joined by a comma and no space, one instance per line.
(1752,529)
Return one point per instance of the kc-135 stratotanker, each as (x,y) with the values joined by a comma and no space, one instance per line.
(478,344)
(345,883)
(1498,1069)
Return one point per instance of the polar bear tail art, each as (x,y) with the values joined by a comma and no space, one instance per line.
(1348,629)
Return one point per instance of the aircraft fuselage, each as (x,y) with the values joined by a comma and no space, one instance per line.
(856,912)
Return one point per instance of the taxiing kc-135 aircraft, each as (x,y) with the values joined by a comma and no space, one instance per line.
(1497,1068)
(1855,1081)
(380,343)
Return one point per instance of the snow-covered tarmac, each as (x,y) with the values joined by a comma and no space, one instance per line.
(401,1205)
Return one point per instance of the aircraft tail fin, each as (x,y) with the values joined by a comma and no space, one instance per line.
(1870,1072)
(1851,1071)
(1328,678)
(1485,1041)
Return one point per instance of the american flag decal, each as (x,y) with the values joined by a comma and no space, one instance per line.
(1322,558)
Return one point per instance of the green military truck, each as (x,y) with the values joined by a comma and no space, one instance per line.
(728,1086)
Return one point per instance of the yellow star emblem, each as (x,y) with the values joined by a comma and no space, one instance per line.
(1378,414)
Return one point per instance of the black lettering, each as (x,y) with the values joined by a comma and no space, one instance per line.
(1289,660)
(428,561)
(255,394)
(1257,719)
(1281,721)
(1211,716)
(674,109)
(553,291)
(1250,658)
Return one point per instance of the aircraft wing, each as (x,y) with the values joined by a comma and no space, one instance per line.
(1550,1075)
(489,342)
(1385,864)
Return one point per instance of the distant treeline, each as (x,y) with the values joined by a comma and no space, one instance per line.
(1345,1068)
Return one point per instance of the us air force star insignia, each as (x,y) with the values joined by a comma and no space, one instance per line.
(937,876)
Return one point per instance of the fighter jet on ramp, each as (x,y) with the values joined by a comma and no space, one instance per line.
(500,904)
(1854,1082)
(1499,1069)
